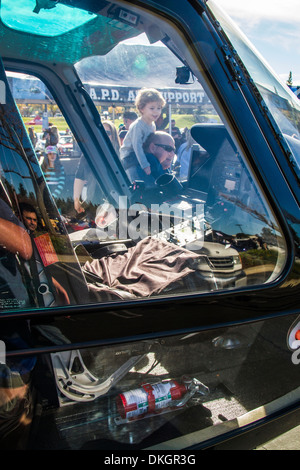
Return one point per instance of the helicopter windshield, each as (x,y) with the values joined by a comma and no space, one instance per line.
(281,101)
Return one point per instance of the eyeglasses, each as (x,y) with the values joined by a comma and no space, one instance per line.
(167,148)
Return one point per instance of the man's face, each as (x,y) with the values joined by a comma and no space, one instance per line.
(30,220)
(127,122)
(164,151)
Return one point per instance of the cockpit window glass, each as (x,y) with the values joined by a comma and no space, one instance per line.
(281,101)
(42,18)
(191,219)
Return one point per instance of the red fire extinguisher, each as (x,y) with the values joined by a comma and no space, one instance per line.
(149,399)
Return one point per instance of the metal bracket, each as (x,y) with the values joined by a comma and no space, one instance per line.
(84,386)
(194,386)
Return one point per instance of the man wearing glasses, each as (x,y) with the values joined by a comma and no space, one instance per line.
(160,151)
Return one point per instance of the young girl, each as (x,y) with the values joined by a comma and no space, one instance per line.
(149,102)
(53,171)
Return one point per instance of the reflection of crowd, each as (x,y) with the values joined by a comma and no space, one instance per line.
(23,260)
(14,241)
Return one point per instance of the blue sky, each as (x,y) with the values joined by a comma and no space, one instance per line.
(273,27)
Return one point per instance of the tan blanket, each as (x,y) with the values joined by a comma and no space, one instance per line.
(145,269)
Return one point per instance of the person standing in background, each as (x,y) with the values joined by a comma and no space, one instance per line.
(33,136)
(128,118)
(53,171)
(112,133)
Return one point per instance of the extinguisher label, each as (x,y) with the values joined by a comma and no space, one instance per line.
(162,394)
(140,399)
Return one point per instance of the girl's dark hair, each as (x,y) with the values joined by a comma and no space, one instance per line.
(57,163)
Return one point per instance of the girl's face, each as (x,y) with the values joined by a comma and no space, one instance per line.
(51,157)
(151,111)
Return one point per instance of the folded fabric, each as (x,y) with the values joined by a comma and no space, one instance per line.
(145,269)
